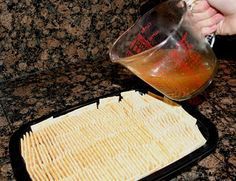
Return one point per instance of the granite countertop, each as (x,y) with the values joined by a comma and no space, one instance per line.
(54,54)
(25,99)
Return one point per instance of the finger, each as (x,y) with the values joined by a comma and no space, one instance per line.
(211,21)
(204,15)
(200,6)
(209,30)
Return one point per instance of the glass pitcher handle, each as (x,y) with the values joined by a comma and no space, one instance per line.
(210,39)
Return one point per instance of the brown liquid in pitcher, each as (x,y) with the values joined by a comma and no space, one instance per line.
(177,75)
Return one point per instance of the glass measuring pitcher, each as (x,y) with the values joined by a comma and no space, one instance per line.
(165,50)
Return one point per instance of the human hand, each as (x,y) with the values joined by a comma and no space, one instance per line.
(205,18)
(215,16)
(228,9)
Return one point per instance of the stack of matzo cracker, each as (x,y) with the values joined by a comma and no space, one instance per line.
(124,140)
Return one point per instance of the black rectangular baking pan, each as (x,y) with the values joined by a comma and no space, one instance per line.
(206,127)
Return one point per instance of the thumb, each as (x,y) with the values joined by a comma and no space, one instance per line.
(227,26)
(226,7)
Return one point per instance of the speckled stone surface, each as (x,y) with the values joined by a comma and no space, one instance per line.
(38,35)
(29,98)
(5,134)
